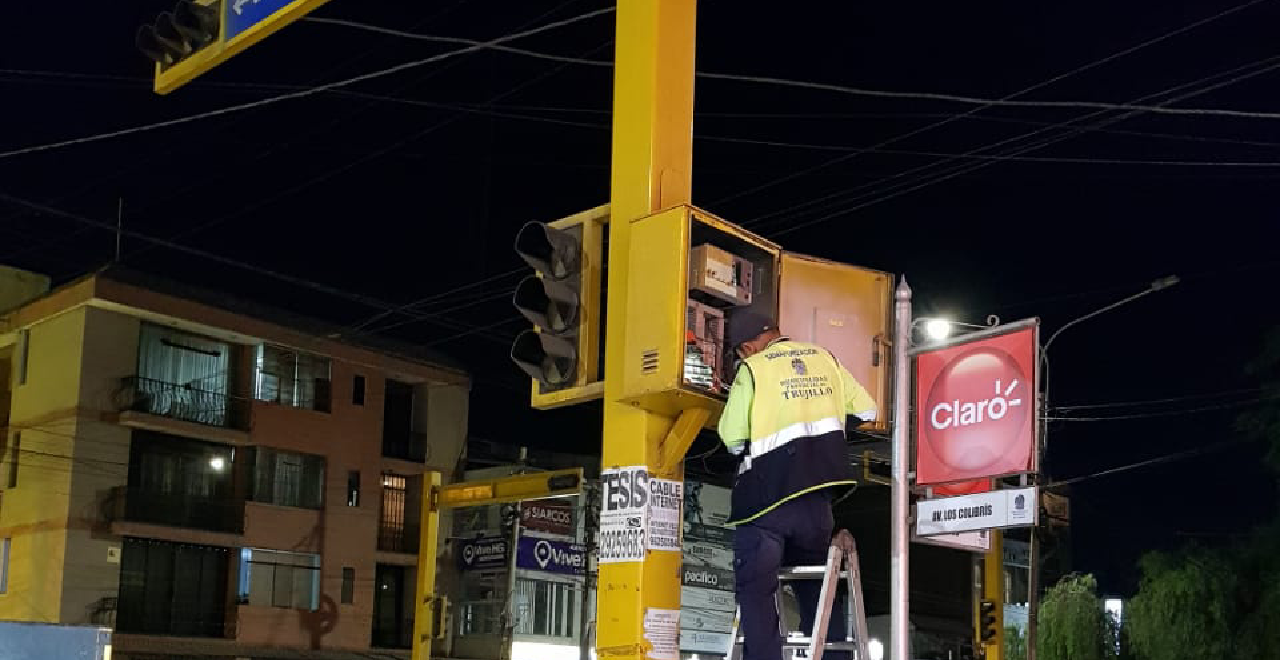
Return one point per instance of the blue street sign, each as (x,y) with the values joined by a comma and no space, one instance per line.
(551,556)
(483,553)
(244,14)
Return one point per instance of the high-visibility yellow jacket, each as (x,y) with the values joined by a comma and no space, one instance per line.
(786,418)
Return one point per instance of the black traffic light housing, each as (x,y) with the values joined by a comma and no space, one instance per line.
(178,34)
(550,301)
(987,621)
(563,299)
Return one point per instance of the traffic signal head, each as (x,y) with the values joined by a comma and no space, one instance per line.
(987,624)
(177,34)
(562,299)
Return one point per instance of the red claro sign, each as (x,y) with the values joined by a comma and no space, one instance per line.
(976,408)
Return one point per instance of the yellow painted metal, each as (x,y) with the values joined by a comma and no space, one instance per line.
(652,162)
(868,476)
(173,77)
(993,590)
(588,385)
(681,436)
(528,486)
(427,605)
(653,367)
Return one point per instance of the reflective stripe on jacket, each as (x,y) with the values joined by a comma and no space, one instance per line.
(787,409)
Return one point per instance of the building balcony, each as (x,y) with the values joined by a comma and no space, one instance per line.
(207,514)
(182,409)
(402,539)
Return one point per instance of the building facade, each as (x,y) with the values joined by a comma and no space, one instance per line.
(212,482)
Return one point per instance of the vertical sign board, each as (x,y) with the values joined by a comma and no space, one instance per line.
(976,410)
(638,513)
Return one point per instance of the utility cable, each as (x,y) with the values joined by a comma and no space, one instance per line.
(259,270)
(1176,399)
(925,180)
(1168,413)
(1151,461)
(302,93)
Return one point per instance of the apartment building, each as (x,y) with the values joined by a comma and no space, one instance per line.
(209,478)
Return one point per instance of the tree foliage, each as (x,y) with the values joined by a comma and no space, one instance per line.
(1072,623)
(1221,602)
(1015,644)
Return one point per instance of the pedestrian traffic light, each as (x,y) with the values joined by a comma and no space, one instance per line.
(178,34)
(563,299)
(987,622)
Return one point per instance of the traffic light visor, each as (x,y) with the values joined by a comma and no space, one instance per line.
(553,252)
(547,358)
(550,305)
(198,24)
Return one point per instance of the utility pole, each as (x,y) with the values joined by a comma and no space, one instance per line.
(652,165)
(899,607)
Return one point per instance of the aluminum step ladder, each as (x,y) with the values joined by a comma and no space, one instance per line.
(839,565)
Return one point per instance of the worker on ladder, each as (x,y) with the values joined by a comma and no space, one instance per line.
(786,416)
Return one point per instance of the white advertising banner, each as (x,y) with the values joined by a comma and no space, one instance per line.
(996,509)
(624,509)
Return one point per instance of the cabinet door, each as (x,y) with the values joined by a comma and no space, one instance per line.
(845,309)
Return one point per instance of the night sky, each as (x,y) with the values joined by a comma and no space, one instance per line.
(420,192)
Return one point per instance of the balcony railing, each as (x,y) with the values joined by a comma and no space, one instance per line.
(175,510)
(398,539)
(182,401)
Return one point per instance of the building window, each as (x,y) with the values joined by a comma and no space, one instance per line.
(293,378)
(399,421)
(357,390)
(273,578)
(391,526)
(547,608)
(14,453)
(348,585)
(172,589)
(353,488)
(5,544)
(287,479)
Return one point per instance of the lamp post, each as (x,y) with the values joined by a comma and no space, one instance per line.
(1033,578)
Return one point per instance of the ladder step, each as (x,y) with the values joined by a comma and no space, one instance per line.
(803,643)
(806,573)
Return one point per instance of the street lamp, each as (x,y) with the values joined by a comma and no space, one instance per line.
(939,328)
(1033,587)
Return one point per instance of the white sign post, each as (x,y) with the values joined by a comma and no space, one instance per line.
(992,510)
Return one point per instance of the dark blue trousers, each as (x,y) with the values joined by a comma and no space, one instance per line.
(797,533)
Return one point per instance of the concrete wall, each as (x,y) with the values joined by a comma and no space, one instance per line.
(35,513)
(90,574)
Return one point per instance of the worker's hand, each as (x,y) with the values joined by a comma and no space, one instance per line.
(843,540)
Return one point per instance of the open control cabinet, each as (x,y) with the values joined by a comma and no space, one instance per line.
(691,272)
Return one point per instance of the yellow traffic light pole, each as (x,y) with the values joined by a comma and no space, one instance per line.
(651,170)
(993,592)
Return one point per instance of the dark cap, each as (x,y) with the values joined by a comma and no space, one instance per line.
(745,325)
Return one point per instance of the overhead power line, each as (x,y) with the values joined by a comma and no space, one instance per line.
(497,44)
(259,270)
(1151,461)
(1175,399)
(517,111)
(1168,413)
(305,92)
(927,179)
(857,91)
